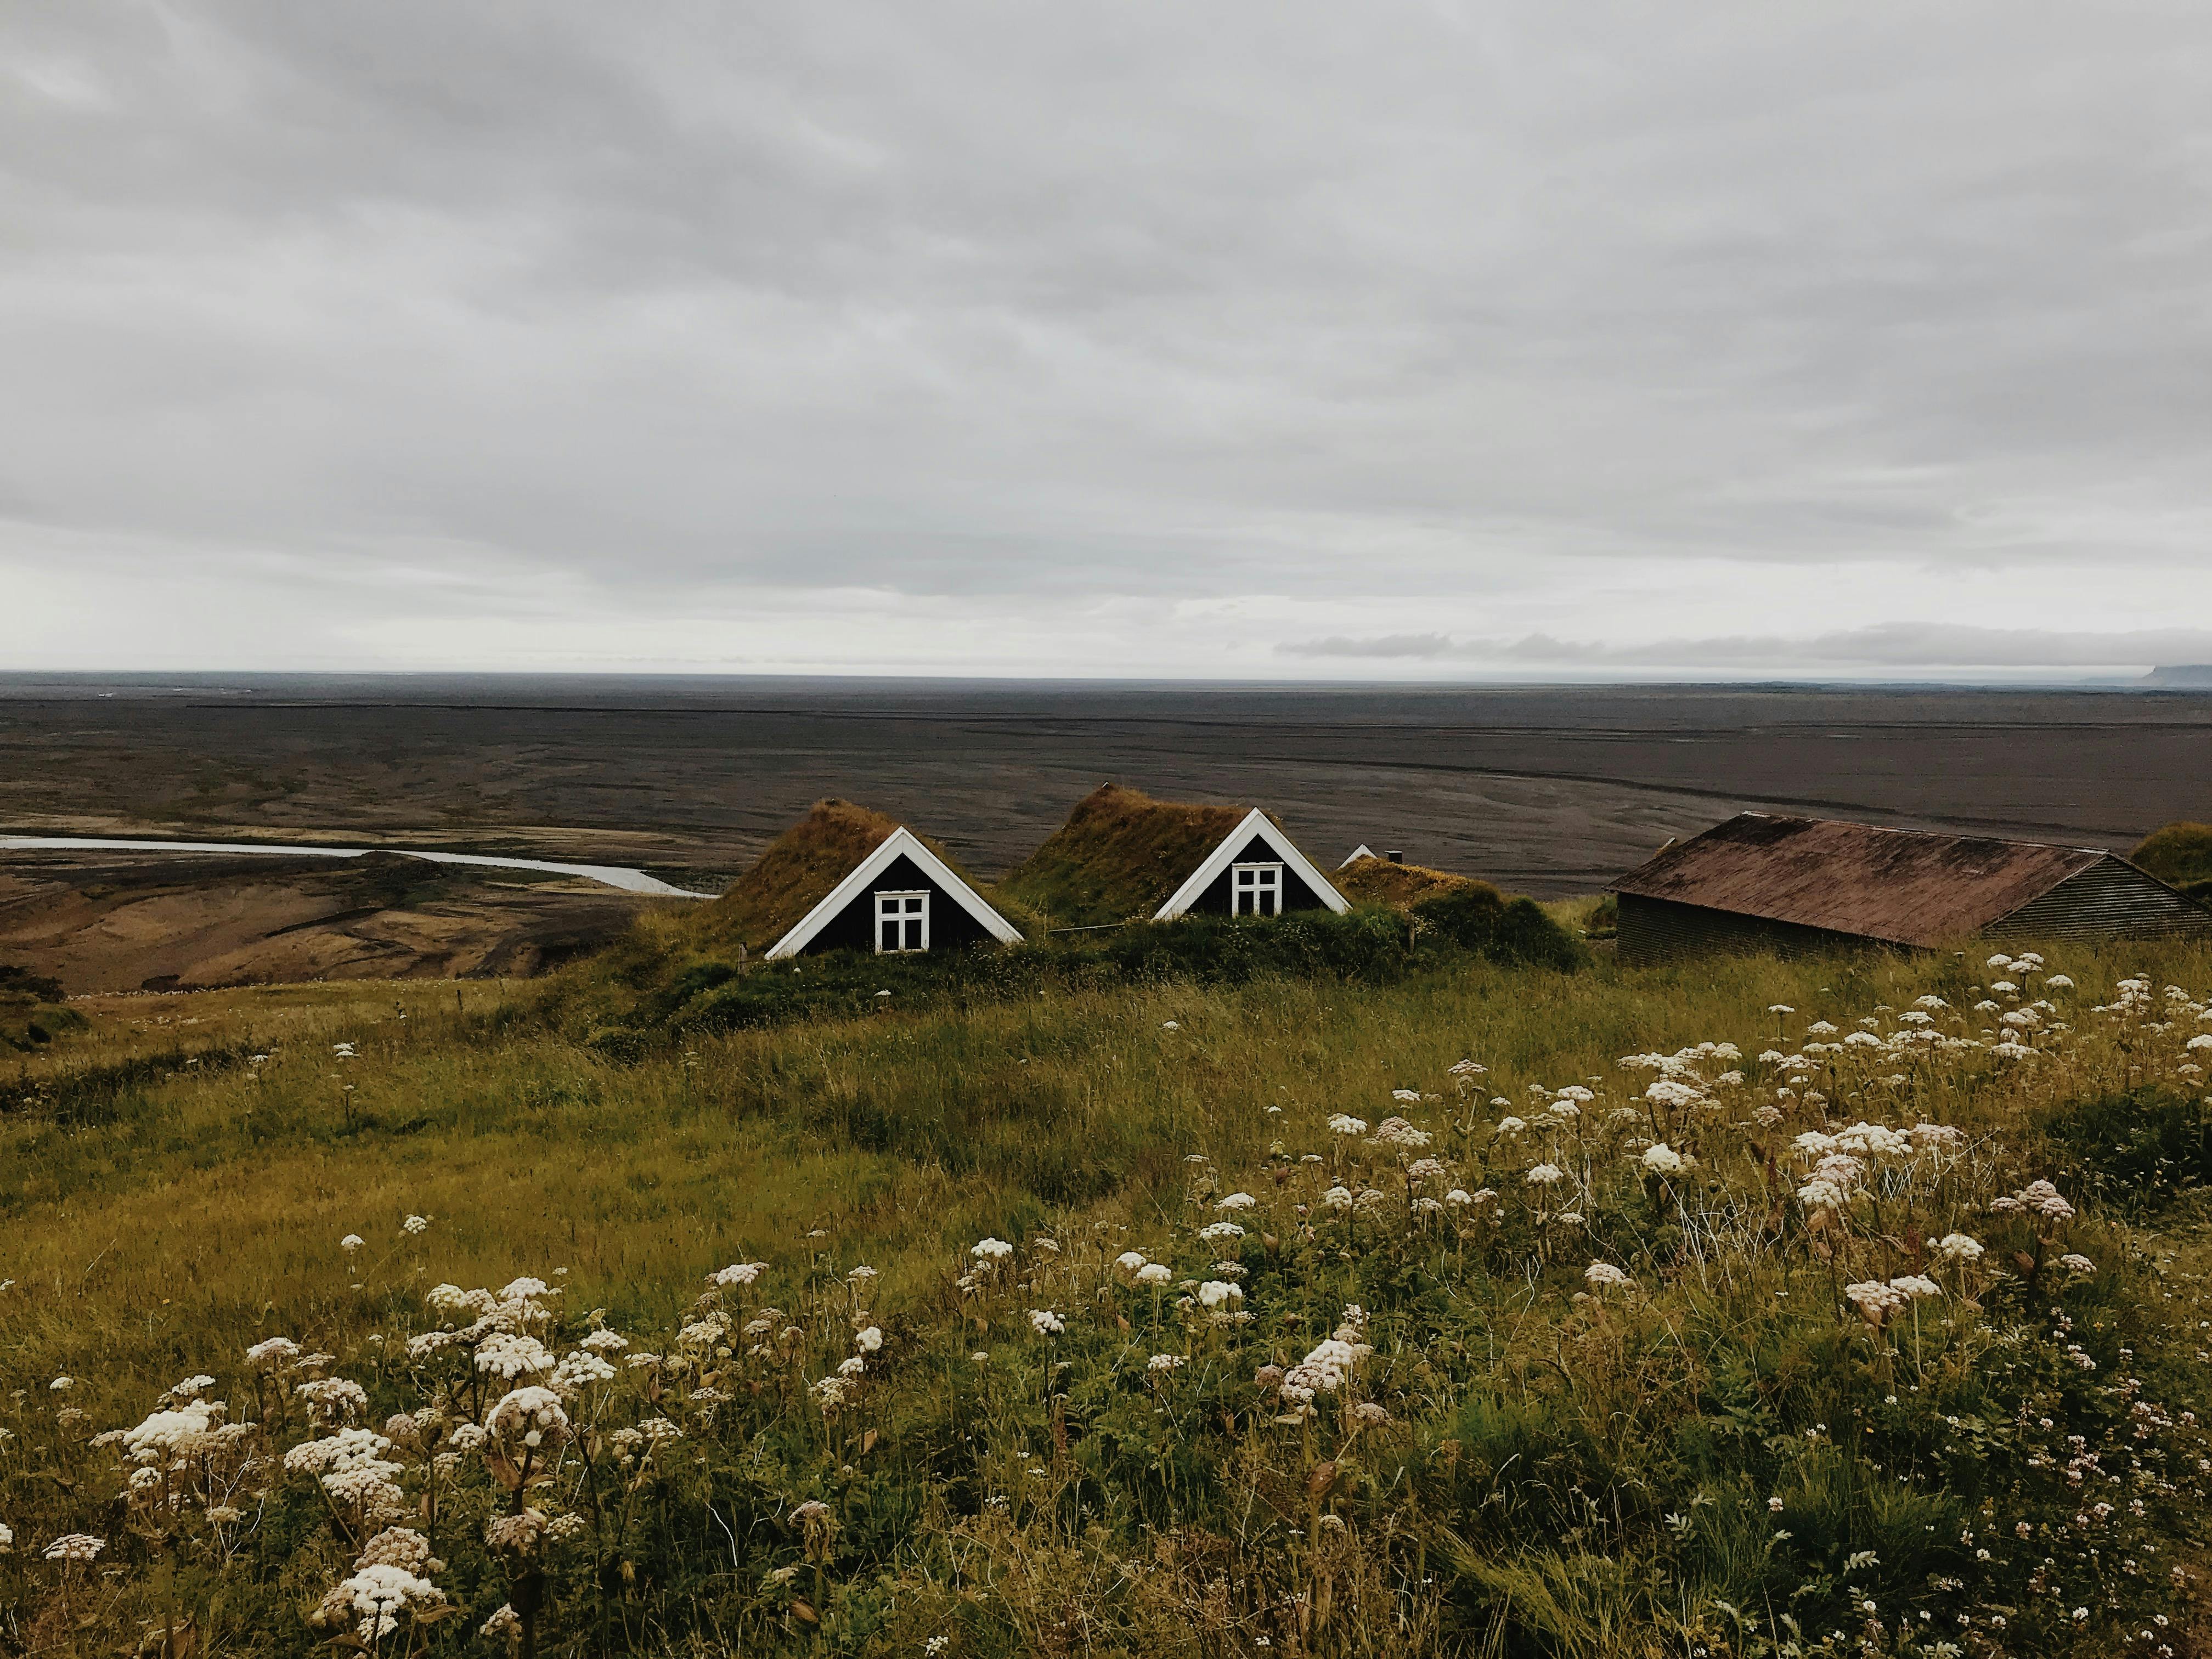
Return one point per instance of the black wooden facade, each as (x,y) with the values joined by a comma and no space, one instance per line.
(1297,894)
(1654,930)
(853,927)
(2110,899)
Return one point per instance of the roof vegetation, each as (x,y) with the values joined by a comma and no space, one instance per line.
(2180,855)
(799,870)
(1119,857)
(1371,880)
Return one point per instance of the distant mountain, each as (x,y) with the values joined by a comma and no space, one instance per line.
(2185,674)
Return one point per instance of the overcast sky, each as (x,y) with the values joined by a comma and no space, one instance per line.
(1265,340)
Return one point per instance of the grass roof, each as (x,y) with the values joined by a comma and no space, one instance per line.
(1401,887)
(2180,854)
(799,870)
(1119,857)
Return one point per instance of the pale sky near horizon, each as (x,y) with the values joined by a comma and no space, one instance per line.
(1288,340)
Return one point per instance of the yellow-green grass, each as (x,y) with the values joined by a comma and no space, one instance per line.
(157,1227)
(156,1238)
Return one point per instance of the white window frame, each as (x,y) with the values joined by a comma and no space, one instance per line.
(892,907)
(1252,881)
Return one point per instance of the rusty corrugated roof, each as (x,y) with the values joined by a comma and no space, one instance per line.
(1905,886)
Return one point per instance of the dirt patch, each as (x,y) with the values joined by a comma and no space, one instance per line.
(131,921)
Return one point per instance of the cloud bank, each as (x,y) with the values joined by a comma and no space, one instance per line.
(1891,646)
(986,338)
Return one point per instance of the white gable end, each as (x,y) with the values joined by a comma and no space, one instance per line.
(1255,823)
(901,843)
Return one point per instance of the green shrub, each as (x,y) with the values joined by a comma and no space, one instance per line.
(2138,1150)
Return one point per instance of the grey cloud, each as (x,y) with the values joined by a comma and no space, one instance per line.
(1153,300)
(1890,645)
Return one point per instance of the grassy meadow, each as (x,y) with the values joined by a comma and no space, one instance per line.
(1372,1397)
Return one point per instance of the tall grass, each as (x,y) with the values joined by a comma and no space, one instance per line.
(1552,1473)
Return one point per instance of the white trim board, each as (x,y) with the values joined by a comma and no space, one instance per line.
(901,841)
(1362,851)
(1221,857)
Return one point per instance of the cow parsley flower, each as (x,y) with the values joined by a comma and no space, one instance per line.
(1545,1174)
(578,1371)
(1604,1276)
(533,1416)
(992,1249)
(1660,1159)
(507,1355)
(75,1547)
(737,1274)
(1155,1273)
(1236,1201)
(414,1225)
(1343,1123)
(1045,1322)
(2080,1264)
(374,1598)
(1875,1300)
(868,1340)
(1217,1293)
(1958,1246)
(1165,1362)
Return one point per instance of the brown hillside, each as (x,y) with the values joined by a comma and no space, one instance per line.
(1119,856)
(1400,886)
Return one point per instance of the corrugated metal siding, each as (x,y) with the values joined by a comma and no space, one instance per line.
(2112,899)
(1661,930)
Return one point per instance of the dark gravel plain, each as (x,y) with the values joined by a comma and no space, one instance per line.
(1546,790)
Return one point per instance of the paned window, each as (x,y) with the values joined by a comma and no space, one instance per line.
(901,922)
(1255,889)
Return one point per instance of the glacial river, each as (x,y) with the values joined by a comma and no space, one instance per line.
(612,875)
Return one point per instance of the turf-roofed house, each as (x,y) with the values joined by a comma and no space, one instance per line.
(1794,886)
(847,878)
(1122,856)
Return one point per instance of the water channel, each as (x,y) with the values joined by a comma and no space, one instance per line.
(612,875)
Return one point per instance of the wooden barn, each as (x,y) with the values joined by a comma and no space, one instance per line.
(1792,886)
(1122,856)
(846,877)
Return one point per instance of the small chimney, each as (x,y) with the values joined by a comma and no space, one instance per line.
(1397,855)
